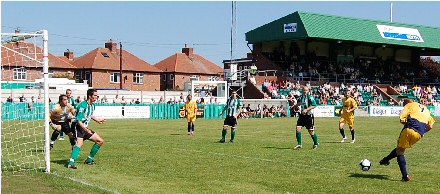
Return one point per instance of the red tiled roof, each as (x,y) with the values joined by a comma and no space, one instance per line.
(29,49)
(193,63)
(95,59)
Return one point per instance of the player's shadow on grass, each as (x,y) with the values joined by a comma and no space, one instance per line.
(271,147)
(177,134)
(337,142)
(369,176)
(62,162)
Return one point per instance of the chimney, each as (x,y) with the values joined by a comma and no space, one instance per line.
(187,51)
(17,30)
(111,46)
(68,54)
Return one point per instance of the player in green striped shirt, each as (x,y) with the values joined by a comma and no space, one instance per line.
(233,109)
(84,114)
(306,118)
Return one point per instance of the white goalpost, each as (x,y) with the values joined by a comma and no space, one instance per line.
(24,126)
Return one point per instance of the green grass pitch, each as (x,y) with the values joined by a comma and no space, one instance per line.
(157,156)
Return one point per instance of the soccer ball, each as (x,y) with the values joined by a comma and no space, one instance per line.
(365,164)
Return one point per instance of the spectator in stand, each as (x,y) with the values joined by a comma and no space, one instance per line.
(104,99)
(161,100)
(22,98)
(137,101)
(39,99)
(244,114)
(265,111)
(116,100)
(434,90)
(249,110)
(9,99)
(272,111)
(258,111)
(266,83)
(391,102)
(343,88)
(215,101)
(282,111)
(123,101)
(360,100)
(152,101)
(170,101)
(181,98)
(78,99)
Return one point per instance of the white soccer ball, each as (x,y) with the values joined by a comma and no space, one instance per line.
(365,164)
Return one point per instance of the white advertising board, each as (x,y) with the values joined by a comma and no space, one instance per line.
(122,112)
(385,111)
(324,111)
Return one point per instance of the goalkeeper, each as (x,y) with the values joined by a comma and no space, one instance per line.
(60,117)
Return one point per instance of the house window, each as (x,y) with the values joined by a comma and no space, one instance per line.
(138,78)
(51,73)
(104,54)
(20,73)
(171,76)
(115,77)
(82,75)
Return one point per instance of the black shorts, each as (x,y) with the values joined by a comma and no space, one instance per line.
(65,127)
(80,133)
(307,121)
(231,121)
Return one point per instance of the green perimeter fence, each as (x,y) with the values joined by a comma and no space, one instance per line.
(35,111)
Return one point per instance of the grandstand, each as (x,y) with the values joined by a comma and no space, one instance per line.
(327,51)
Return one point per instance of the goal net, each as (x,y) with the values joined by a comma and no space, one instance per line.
(24,107)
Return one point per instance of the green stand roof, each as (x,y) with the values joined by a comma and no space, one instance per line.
(310,25)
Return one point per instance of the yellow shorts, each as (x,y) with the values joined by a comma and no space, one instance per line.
(407,138)
(191,118)
(348,120)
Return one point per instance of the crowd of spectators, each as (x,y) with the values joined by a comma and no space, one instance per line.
(428,95)
(263,112)
(325,94)
(361,69)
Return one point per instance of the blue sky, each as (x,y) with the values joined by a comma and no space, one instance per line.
(156,30)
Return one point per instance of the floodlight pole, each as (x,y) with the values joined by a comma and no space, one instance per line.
(391,12)
(120,65)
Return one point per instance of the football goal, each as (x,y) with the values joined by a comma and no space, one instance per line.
(24,126)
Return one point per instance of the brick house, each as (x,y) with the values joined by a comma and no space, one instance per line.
(182,67)
(16,67)
(100,67)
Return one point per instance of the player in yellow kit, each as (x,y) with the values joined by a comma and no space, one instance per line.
(60,117)
(347,116)
(417,120)
(190,112)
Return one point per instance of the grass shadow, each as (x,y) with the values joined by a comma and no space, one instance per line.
(278,148)
(370,176)
(62,162)
(177,134)
(336,142)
